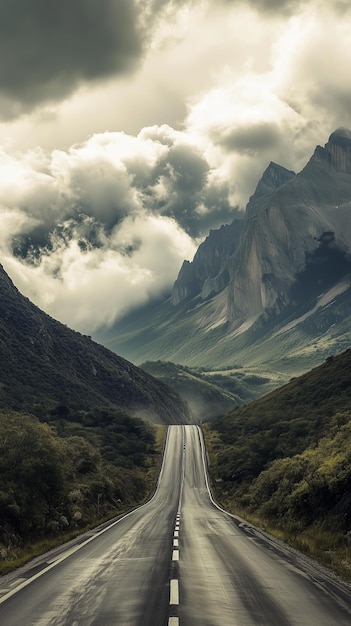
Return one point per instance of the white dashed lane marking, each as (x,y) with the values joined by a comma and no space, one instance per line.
(174,592)
(173,619)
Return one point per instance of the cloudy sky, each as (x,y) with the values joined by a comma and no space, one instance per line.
(129,128)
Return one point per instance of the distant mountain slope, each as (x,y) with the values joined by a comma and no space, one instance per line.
(194,334)
(270,292)
(311,399)
(44,362)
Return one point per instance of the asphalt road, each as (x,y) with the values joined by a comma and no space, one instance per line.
(178,560)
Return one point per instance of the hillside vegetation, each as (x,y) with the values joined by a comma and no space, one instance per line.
(73,471)
(285,460)
(45,363)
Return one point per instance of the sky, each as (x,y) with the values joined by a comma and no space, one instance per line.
(130,128)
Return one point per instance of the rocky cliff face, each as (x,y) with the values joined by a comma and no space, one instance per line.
(208,273)
(289,220)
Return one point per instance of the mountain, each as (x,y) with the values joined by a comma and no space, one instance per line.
(45,363)
(270,292)
(292,222)
(304,222)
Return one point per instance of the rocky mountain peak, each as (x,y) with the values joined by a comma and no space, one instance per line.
(272,178)
(340,135)
(336,154)
(283,272)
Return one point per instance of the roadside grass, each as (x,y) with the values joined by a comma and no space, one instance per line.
(17,557)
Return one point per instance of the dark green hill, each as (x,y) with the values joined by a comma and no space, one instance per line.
(42,362)
(286,460)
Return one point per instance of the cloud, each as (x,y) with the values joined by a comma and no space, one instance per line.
(312,69)
(48,48)
(251,139)
(90,288)
(246,124)
(288,7)
(280,110)
(94,231)
(274,6)
(181,55)
(178,186)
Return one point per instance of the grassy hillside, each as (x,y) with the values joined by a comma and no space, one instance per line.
(45,363)
(59,477)
(285,460)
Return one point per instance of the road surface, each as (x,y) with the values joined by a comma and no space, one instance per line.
(176,561)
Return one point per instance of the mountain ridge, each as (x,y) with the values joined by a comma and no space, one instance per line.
(207,273)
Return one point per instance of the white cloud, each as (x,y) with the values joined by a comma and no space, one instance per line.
(77,237)
(90,288)
(312,66)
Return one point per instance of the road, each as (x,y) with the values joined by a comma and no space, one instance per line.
(177,560)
